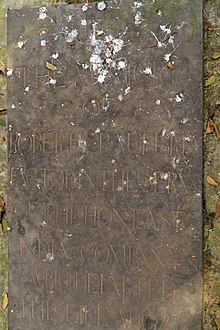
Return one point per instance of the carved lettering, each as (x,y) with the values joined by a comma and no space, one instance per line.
(131,220)
(125,143)
(102,285)
(102,166)
(42,249)
(120,181)
(36,76)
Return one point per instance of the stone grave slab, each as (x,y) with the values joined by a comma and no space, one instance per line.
(105,166)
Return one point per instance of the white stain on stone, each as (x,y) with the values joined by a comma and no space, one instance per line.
(127,90)
(153,179)
(175,161)
(83,22)
(55,56)
(43,43)
(163,132)
(82,145)
(49,257)
(159,43)
(168,55)
(69,18)
(138,19)
(171,41)
(71,36)
(101,5)
(104,53)
(179,98)
(102,76)
(85,7)
(166,29)
(184,120)
(21,43)
(42,13)
(9,72)
(138,4)
(85,66)
(120,97)
(52,81)
(167,37)
(121,65)
(147,71)
(164,176)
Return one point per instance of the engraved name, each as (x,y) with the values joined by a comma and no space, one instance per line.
(102,142)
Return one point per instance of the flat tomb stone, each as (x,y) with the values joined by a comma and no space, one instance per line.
(105,166)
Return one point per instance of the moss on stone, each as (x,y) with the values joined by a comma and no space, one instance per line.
(211,166)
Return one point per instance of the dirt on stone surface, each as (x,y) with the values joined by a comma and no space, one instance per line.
(211,157)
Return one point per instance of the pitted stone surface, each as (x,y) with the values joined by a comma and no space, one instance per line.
(105,138)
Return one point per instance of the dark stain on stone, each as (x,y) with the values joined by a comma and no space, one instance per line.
(151,324)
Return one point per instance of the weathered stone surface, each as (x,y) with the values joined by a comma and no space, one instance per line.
(105,160)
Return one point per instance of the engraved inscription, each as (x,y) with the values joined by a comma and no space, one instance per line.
(104,140)
(115,181)
(103,143)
